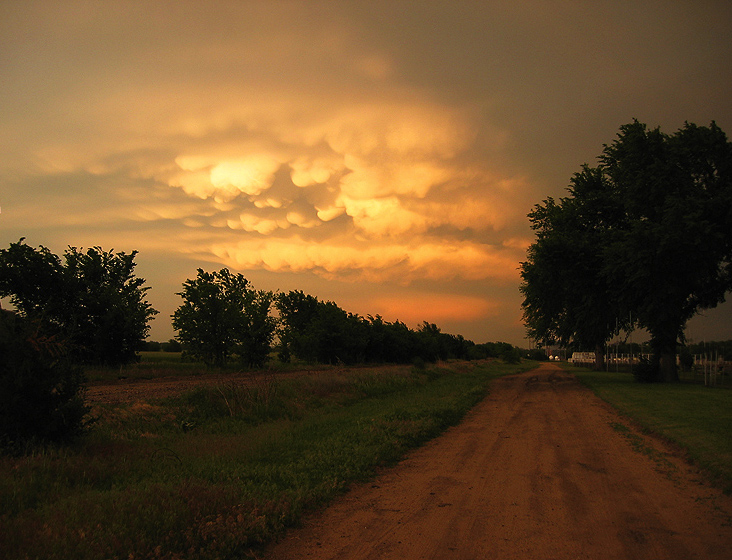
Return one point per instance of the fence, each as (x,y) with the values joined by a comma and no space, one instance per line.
(713,368)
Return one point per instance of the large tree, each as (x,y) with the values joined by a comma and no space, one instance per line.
(647,234)
(92,298)
(671,257)
(298,311)
(566,296)
(221,315)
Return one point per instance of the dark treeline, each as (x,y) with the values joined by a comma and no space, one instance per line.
(93,305)
(319,331)
(721,348)
(89,308)
(316,331)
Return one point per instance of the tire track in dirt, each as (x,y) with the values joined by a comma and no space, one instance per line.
(535,471)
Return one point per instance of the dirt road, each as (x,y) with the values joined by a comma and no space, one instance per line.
(539,470)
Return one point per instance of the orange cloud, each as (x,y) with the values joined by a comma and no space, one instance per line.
(368,262)
(414,308)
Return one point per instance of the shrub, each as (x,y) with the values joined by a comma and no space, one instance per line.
(40,389)
(646,372)
(512,356)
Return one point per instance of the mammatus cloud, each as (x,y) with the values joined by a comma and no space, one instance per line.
(389,150)
(310,156)
(360,197)
(397,263)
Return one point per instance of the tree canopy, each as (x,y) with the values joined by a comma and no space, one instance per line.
(319,331)
(92,298)
(643,239)
(566,297)
(221,315)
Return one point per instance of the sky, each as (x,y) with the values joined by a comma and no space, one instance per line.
(382,155)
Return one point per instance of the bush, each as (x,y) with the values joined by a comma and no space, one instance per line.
(646,372)
(41,396)
(512,356)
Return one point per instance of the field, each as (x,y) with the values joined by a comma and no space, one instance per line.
(227,465)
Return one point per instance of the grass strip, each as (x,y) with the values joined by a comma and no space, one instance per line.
(221,471)
(696,418)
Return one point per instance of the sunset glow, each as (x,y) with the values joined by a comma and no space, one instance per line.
(381,155)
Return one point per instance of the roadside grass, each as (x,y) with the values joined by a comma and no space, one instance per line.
(222,470)
(694,417)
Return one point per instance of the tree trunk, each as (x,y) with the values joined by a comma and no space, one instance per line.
(599,357)
(667,370)
(664,350)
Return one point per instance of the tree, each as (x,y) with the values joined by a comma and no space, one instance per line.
(93,298)
(647,234)
(258,329)
(109,315)
(297,313)
(338,336)
(671,256)
(566,296)
(221,316)
(319,331)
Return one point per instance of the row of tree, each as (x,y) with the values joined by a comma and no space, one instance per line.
(721,349)
(90,307)
(222,317)
(96,305)
(644,240)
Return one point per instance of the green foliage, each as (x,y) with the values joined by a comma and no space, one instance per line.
(536,354)
(720,348)
(566,298)
(512,356)
(151,346)
(221,316)
(92,298)
(496,349)
(645,235)
(41,395)
(670,257)
(317,331)
(171,346)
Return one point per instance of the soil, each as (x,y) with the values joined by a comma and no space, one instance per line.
(541,469)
